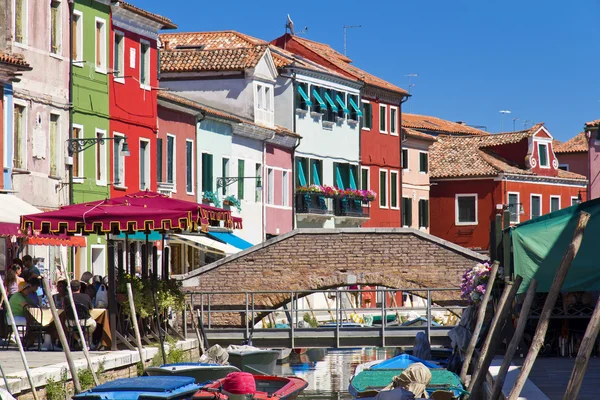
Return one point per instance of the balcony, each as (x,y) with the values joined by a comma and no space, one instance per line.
(313,206)
(345,208)
(165,188)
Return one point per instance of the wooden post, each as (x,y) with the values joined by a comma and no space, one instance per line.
(328,306)
(310,307)
(138,338)
(542,327)
(494,336)
(78,325)
(516,339)
(112,288)
(11,320)
(493,243)
(479,321)
(63,338)
(506,245)
(498,238)
(200,341)
(583,356)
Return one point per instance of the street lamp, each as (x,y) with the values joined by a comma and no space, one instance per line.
(78,145)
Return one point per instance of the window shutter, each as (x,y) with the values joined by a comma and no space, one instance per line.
(338,177)
(188,159)
(159,160)
(300,172)
(19,21)
(170,161)
(316,179)
(74,36)
(409,212)
(121,164)
(98,44)
(53,140)
(241,180)
(54,27)
(382,119)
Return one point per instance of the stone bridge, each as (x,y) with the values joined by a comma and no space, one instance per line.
(316,259)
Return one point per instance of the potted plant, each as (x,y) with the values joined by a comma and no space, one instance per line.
(211,198)
(231,200)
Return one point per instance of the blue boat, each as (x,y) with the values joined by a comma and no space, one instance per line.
(399,362)
(143,387)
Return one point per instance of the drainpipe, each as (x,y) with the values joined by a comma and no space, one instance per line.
(70,58)
(294,85)
(199,120)
(265,179)
(400,173)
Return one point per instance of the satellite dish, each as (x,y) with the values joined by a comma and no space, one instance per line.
(290,24)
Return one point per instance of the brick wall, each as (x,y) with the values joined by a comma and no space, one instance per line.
(319,259)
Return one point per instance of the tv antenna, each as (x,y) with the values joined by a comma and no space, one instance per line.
(514,122)
(502,120)
(410,85)
(346,27)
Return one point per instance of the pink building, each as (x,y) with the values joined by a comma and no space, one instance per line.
(573,155)
(592,131)
(279,213)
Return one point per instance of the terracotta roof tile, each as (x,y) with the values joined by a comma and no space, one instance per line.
(593,123)
(434,124)
(212,40)
(166,22)
(284,58)
(210,60)
(577,144)
(14,60)
(418,135)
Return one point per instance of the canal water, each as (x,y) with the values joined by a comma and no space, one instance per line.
(328,371)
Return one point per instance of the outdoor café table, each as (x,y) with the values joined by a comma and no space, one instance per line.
(100,315)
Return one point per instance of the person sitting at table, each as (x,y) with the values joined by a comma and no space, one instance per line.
(86,277)
(90,290)
(59,298)
(22,298)
(85,304)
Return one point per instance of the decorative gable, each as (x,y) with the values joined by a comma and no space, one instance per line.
(541,157)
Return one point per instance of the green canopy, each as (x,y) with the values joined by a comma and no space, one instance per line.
(540,244)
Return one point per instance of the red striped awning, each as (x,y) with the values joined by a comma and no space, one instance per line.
(9,230)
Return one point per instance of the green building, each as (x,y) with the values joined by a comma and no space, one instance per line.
(91,29)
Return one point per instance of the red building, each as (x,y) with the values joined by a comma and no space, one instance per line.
(380,145)
(133,96)
(474,178)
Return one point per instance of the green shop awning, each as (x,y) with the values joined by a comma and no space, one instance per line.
(539,245)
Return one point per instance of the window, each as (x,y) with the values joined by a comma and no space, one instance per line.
(302,100)
(257,191)
(21,11)
(241,181)
(406,212)
(189,165)
(513,207)
(383,118)
(394,120)
(224,173)
(285,188)
(270,185)
(316,172)
(423,213)
(466,209)
(543,155)
(394,189)
(159,160)
(119,58)
(78,157)
(554,203)
(171,159)
(118,161)
(55,28)
(77,34)
(54,140)
(536,205)
(423,162)
(339,99)
(330,111)
(564,167)
(20,136)
(404,158)
(263,104)
(144,165)
(364,181)
(353,108)
(302,171)
(145,65)
(383,202)
(207,172)
(100,45)
(574,201)
(267,98)
(367,115)
(100,158)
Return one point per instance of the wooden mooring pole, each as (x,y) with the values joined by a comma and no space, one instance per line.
(136,329)
(542,327)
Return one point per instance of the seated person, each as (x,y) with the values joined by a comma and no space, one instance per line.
(59,298)
(90,290)
(19,300)
(85,302)
(86,277)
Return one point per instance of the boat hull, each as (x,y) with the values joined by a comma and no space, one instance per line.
(199,371)
(268,387)
(260,362)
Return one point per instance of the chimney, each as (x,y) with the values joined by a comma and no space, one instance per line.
(167,45)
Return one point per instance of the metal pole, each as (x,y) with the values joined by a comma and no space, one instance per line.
(429,315)
(136,330)
(246,318)
(292,313)
(383,316)
(338,313)
(202,309)
(208,295)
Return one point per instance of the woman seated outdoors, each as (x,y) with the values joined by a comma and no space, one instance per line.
(59,298)
(22,298)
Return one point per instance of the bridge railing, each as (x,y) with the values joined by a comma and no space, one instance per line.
(344,309)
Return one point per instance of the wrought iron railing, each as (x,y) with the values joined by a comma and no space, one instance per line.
(345,207)
(313,203)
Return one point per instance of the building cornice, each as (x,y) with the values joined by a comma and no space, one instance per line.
(357,85)
(542,179)
(132,22)
(370,91)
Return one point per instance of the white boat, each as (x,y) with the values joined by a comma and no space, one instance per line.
(201,372)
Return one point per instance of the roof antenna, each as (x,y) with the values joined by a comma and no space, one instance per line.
(410,85)
(346,27)
(503,112)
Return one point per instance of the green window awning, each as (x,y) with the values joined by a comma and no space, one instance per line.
(304,96)
(319,99)
(341,103)
(356,108)
(330,101)
(301,176)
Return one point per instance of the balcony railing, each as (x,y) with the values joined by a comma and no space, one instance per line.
(313,203)
(353,208)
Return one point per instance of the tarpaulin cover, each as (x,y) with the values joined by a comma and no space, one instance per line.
(539,245)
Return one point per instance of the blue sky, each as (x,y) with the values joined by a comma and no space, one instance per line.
(538,59)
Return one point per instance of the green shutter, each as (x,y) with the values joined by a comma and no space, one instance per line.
(241,180)
(393,190)
(189,167)
(338,177)
(408,212)
(170,158)
(54,27)
(426,213)
(423,161)
(368,115)
(352,181)
(159,160)
(382,126)
(316,179)
(207,172)
(301,177)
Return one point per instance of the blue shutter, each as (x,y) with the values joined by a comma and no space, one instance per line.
(338,178)
(319,99)
(330,101)
(315,173)
(304,96)
(341,103)
(355,107)
(301,176)
(352,181)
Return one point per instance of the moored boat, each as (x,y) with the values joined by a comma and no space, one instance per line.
(254,360)
(284,354)
(143,387)
(201,372)
(267,387)
(401,361)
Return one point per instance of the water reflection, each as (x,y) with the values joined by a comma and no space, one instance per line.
(328,372)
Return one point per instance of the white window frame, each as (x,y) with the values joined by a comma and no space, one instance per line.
(574,198)
(166,161)
(270,186)
(285,188)
(119,144)
(550,203)
(224,174)
(146,65)
(79,62)
(21,103)
(564,165)
(426,153)
(262,113)
(58,139)
(407,159)
(58,53)
(103,59)
(456,213)
(385,131)
(7,162)
(192,166)
(391,172)
(148,161)
(363,125)
(549,163)
(531,196)
(390,120)
(365,203)
(81,177)
(387,189)
(120,78)
(518,206)
(25,24)
(103,157)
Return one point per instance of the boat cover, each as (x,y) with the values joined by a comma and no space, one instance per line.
(403,361)
(215,355)
(154,384)
(415,379)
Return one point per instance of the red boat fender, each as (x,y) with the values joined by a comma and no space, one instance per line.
(239,383)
